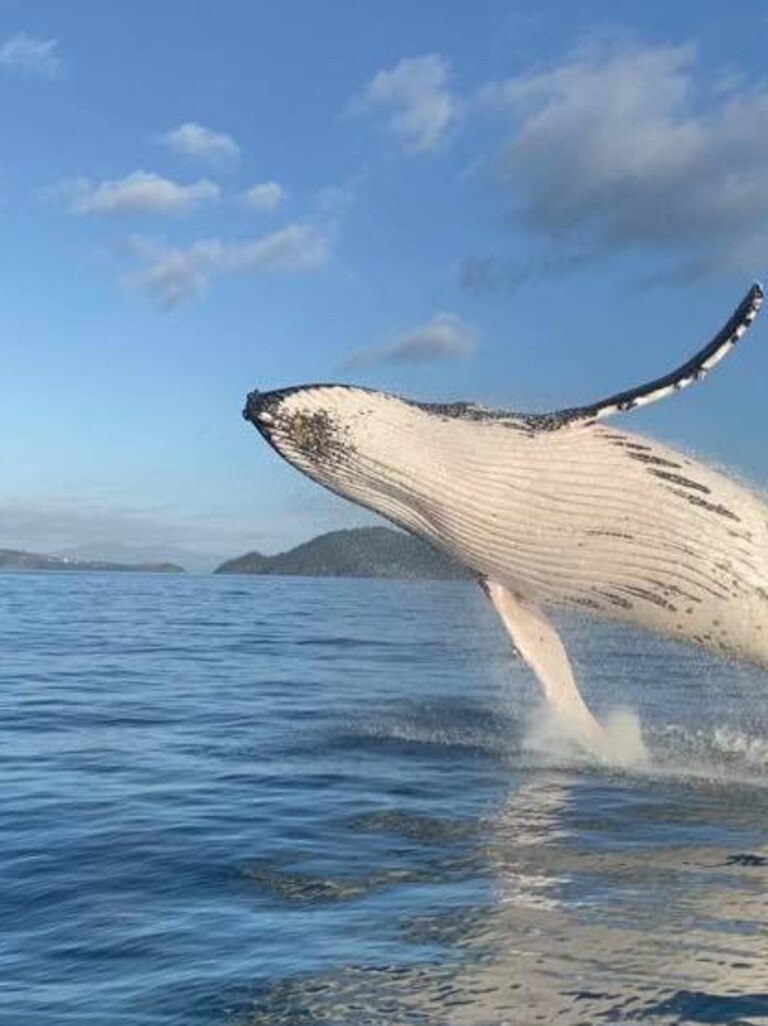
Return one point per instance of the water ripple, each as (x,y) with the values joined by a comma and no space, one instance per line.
(271,802)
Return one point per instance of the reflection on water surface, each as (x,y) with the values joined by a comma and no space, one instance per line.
(242,801)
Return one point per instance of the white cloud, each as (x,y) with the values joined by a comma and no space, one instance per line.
(176,273)
(30,55)
(138,192)
(624,150)
(444,337)
(193,140)
(264,196)
(416,99)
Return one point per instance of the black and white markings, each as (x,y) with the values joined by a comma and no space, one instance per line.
(475,412)
(692,370)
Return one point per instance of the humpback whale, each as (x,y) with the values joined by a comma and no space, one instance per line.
(551,510)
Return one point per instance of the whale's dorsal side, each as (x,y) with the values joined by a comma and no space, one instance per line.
(692,370)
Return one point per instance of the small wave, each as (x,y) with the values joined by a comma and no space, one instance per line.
(484,737)
(721,754)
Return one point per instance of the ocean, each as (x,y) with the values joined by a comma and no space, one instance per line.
(289,802)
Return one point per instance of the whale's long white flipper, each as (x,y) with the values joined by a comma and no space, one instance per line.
(692,370)
(536,640)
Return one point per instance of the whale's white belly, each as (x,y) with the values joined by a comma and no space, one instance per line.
(611,523)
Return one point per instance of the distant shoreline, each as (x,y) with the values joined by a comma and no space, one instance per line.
(19,561)
(363,552)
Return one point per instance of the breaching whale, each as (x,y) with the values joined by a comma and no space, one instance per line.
(551,510)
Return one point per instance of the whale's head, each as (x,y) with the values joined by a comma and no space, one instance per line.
(370,447)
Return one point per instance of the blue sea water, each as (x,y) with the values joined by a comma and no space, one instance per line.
(252,801)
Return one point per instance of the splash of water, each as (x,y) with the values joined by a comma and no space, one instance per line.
(619,742)
(722,754)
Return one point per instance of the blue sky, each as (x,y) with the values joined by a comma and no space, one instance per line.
(526,204)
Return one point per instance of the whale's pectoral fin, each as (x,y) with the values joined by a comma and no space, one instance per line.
(534,637)
(692,370)
(536,640)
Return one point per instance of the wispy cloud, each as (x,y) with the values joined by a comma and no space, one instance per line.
(30,55)
(415,100)
(443,337)
(489,273)
(263,197)
(624,150)
(176,273)
(139,192)
(201,143)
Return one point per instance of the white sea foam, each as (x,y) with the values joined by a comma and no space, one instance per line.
(553,736)
(721,754)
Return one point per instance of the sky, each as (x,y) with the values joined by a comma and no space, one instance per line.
(525,204)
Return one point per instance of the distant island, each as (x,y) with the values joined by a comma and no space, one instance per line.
(13,559)
(358,552)
(131,553)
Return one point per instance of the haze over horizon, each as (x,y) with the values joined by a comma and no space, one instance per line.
(525,204)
